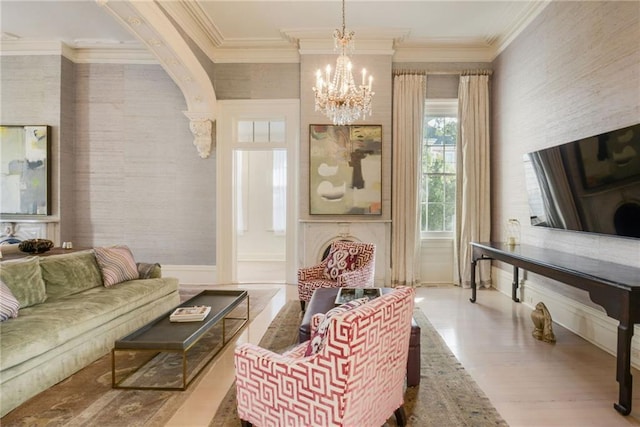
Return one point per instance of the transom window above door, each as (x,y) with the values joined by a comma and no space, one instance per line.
(260,131)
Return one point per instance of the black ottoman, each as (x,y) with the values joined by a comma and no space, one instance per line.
(323,300)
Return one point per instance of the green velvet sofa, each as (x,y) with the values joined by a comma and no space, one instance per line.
(74,323)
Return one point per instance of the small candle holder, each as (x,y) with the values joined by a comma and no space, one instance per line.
(512,230)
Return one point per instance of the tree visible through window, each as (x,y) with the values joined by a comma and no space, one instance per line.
(438,186)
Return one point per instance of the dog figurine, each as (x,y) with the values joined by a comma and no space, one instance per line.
(543,328)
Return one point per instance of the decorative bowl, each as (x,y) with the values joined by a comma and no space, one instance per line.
(35,246)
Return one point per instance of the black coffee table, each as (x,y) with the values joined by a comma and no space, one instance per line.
(163,336)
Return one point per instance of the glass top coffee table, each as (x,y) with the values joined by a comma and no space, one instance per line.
(158,353)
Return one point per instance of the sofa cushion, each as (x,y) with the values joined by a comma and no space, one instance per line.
(320,334)
(41,328)
(9,305)
(116,264)
(70,273)
(24,279)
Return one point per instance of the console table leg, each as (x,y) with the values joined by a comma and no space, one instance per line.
(473,280)
(514,285)
(623,369)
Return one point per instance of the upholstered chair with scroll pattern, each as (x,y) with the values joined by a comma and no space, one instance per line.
(354,378)
(348,265)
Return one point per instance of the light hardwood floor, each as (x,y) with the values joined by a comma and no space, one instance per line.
(531,383)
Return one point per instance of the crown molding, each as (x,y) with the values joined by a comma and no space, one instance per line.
(33,47)
(256,55)
(533,10)
(116,54)
(445,50)
(113,56)
(195,22)
(362,47)
(369,41)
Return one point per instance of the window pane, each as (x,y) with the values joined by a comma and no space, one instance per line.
(261,131)
(245,131)
(449,189)
(449,216)
(276,131)
(435,159)
(435,192)
(450,160)
(435,217)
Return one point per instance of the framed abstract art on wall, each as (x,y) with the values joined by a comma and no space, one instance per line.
(345,170)
(25,172)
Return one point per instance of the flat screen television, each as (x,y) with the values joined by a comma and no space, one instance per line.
(590,185)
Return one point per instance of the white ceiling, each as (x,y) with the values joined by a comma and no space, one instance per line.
(238,24)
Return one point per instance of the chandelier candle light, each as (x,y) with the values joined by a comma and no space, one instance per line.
(338,98)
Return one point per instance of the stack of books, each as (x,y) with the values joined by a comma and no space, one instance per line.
(190,314)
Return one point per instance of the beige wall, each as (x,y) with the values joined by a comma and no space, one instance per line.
(32,92)
(139,179)
(572,73)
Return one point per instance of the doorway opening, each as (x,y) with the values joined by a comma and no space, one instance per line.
(261,215)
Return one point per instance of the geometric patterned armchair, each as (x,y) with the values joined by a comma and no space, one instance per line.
(355,379)
(348,264)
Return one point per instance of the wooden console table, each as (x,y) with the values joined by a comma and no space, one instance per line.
(615,287)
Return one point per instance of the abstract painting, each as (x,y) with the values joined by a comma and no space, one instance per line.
(25,172)
(345,170)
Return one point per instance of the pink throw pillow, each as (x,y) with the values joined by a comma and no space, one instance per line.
(116,264)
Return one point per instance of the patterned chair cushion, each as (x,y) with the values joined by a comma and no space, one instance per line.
(116,264)
(318,338)
(343,256)
(9,305)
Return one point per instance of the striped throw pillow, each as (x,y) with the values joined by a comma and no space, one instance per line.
(116,264)
(9,305)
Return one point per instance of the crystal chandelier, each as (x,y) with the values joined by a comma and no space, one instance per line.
(338,98)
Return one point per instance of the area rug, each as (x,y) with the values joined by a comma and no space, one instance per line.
(87,399)
(446,397)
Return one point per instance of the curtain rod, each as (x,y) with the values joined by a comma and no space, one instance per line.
(451,72)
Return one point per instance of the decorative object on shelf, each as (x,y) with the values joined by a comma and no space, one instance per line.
(345,170)
(35,246)
(513,232)
(543,324)
(337,97)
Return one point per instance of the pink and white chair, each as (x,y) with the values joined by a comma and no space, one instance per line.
(356,377)
(348,265)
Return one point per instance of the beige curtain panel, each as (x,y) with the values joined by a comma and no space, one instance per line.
(409,95)
(473,210)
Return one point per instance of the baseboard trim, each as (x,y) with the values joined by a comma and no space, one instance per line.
(587,322)
(191,274)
